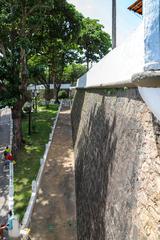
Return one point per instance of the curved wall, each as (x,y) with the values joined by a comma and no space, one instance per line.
(116,142)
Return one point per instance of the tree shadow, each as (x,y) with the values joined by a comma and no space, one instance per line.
(131,93)
(76,112)
(95,156)
(107,150)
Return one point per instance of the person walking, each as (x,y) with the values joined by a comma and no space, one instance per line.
(10,221)
(6,151)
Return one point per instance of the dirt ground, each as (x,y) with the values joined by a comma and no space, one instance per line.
(54,212)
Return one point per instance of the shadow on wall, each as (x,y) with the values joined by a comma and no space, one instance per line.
(109,140)
(79,98)
(95,156)
(130,94)
(156,127)
(79,101)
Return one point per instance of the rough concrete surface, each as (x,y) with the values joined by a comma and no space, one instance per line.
(117,166)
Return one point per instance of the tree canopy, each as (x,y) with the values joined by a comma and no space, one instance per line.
(93,41)
(43,41)
(73,71)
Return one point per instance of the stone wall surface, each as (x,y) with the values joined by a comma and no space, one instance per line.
(117,166)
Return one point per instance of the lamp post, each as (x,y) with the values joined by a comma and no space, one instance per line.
(33,99)
(29,120)
(35,94)
(114,25)
(28,109)
(36,99)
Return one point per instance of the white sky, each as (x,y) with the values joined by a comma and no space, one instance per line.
(127,21)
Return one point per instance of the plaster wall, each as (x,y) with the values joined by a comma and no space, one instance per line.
(151,11)
(117,146)
(152,98)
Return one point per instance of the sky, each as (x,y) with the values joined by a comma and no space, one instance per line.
(127,21)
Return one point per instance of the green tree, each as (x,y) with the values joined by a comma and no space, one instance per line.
(72,72)
(60,42)
(20,21)
(48,35)
(94,42)
(40,73)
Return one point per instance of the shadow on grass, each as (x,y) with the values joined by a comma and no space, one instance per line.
(28,159)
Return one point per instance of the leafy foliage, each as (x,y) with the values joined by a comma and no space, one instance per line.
(42,42)
(62,94)
(73,71)
(94,42)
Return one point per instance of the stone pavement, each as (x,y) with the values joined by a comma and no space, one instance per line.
(54,212)
(4,175)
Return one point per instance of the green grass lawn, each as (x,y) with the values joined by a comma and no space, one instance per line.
(28,159)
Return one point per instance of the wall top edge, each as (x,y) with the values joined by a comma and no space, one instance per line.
(142,79)
(147,79)
(110,85)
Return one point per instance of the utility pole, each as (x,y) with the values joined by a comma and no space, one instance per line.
(114,24)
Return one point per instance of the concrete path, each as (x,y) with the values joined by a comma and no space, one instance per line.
(54,213)
(4,175)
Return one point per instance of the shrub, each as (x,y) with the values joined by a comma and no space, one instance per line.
(63,94)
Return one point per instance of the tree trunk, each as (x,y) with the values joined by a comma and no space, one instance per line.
(87,64)
(17,127)
(23,95)
(23,73)
(17,108)
(48,95)
(57,89)
(47,100)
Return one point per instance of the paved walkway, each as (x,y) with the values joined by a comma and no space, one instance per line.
(54,213)
(4,176)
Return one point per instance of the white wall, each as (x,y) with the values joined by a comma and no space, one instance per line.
(119,65)
(151,10)
(152,98)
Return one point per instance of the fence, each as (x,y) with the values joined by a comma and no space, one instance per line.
(6,118)
(11,171)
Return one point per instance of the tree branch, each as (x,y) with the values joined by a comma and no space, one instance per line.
(2,49)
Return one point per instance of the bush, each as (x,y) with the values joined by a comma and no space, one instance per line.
(63,94)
